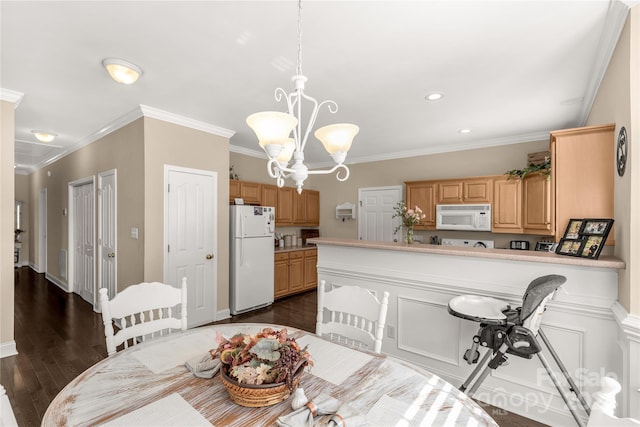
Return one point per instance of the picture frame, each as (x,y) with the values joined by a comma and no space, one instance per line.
(570,247)
(592,246)
(596,227)
(573,229)
(585,237)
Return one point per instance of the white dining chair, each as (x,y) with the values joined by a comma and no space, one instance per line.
(352,315)
(143,311)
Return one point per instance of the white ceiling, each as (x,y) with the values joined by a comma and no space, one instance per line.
(509,70)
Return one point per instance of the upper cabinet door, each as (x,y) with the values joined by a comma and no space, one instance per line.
(312,206)
(507,205)
(284,209)
(477,190)
(423,194)
(536,189)
(450,192)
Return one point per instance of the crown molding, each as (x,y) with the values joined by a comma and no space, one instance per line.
(613,26)
(165,116)
(133,115)
(11,96)
(443,148)
(248,152)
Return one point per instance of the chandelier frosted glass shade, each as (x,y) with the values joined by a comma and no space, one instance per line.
(272,128)
(337,138)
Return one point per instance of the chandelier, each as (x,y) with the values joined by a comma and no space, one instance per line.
(283,136)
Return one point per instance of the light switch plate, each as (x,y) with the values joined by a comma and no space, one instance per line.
(134,232)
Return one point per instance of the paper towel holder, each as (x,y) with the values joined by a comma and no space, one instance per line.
(346,211)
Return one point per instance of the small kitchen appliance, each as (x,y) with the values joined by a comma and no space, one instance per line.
(463,217)
(309,233)
(469,243)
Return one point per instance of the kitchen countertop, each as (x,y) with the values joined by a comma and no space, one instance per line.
(507,254)
(294,248)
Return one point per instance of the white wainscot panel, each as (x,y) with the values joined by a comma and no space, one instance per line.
(425,328)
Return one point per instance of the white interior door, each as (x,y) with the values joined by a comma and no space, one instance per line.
(107,226)
(42,232)
(190,238)
(83,241)
(375,212)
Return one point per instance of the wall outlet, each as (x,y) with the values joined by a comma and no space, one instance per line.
(391,331)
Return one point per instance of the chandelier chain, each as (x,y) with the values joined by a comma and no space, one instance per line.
(299,69)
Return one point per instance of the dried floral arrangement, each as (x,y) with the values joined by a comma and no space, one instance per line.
(268,357)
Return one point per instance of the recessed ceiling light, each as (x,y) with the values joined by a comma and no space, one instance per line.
(464,131)
(122,71)
(43,136)
(434,96)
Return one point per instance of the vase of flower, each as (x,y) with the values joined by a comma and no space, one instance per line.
(409,238)
(409,218)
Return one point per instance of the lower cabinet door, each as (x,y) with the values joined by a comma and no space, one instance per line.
(281,275)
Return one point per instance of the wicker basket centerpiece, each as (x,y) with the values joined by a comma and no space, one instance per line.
(262,369)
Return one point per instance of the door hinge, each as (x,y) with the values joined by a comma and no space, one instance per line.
(360,201)
(168,188)
(168,248)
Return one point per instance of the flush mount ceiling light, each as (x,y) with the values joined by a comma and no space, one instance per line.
(43,136)
(464,131)
(434,96)
(274,130)
(122,71)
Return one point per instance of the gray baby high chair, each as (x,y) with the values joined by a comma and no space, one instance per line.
(505,330)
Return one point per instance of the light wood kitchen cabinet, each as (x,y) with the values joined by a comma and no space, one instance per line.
(298,209)
(291,208)
(250,192)
(450,192)
(537,205)
(472,190)
(281,275)
(269,195)
(423,194)
(310,269)
(507,205)
(294,271)
(234,190)
(284,208)
(312,207)
(582,174)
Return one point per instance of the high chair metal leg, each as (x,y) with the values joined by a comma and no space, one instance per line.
(573,387)
(477,369)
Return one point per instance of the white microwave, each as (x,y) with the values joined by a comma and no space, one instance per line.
(463,217)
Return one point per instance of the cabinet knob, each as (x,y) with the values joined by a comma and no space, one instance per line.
(209,256)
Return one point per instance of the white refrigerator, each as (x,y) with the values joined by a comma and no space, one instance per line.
(251,257)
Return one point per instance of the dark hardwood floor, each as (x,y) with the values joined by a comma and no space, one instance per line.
(58,336)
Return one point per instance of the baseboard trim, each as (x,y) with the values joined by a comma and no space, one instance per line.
(58,282)
(223,314)
(8,349)
(36,268)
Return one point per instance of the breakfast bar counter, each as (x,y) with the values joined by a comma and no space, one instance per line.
(421,279)
(506,254)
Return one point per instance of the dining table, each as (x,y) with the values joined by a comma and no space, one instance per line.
(149,385)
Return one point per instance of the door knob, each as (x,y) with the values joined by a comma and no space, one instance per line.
(209,256)
(111,255)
